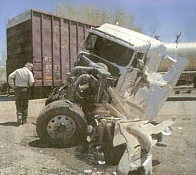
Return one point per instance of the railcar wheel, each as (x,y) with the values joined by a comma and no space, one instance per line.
(61,123)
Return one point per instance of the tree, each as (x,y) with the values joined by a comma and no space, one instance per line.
(3,65)
(95,16)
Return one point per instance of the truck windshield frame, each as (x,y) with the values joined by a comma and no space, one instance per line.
(108,49)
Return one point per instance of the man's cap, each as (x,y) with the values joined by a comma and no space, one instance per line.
(29,65)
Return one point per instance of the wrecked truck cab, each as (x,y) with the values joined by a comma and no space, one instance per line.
(111,96)
(134,59)
(121,47)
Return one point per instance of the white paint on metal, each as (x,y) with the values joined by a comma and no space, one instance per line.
(137,136)
(19,19)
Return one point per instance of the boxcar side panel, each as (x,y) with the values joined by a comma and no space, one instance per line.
(47,50)
(81,35)
(64,47)
(56,51)
(37,48)
(73,43)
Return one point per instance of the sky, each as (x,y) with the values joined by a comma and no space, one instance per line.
(167,18)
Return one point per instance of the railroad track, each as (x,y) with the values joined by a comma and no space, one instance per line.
(183,93)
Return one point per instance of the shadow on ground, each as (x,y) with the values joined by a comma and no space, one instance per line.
(44,144)
(40,144)
(10,124)
(155,162)
(161,145)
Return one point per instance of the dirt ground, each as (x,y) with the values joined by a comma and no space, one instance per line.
(22,153)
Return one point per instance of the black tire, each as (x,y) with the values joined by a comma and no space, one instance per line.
(61,123)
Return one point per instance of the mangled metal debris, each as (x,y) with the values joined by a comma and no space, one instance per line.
(137,136)
(111,97)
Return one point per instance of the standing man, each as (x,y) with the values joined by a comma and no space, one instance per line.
(21,80)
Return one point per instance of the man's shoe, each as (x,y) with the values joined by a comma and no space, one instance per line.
(19,119)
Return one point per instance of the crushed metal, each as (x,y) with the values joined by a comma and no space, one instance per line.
(117,89)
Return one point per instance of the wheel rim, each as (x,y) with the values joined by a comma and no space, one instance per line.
(61,127)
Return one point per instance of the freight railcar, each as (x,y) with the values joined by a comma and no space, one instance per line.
(50,42)
(186,50)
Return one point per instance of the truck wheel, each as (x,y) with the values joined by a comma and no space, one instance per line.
(61,123)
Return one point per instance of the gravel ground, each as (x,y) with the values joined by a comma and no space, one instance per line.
(21,151)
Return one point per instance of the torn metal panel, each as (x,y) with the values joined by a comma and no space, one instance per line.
(155,54)
(150,96)
(137,136)
(159,92)
(132,154)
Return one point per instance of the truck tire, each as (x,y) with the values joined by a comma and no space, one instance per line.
(61,123)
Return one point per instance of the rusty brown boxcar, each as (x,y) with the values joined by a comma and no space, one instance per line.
(50,42)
